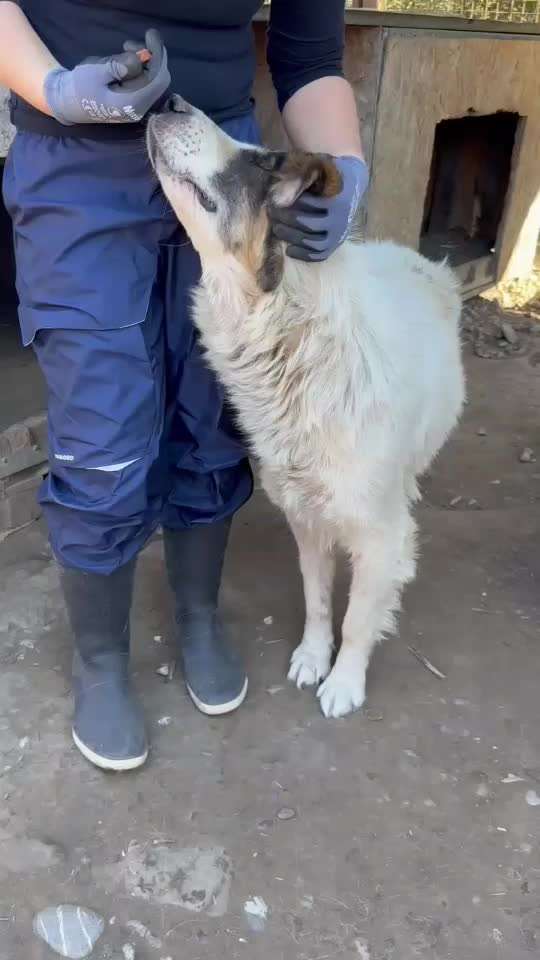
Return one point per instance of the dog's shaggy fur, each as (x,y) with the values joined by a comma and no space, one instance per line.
(346,377)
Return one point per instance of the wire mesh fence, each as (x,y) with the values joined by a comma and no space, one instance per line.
(514,11)
(505,11)
(510,11)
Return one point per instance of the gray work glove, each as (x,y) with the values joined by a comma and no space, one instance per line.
(313,227)
(117,89)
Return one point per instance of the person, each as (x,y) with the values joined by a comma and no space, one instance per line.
(140,434)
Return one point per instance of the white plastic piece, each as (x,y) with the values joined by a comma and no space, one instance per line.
(256,910)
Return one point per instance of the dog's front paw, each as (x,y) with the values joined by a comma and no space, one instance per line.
(342,692)
(308,665)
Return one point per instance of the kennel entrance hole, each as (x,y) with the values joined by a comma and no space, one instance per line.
(466,194)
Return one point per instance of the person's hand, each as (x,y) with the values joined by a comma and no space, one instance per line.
(313,227)
(117,89)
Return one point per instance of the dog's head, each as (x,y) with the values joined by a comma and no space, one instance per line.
(221,190)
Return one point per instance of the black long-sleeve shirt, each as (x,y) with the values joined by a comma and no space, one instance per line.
(209,43)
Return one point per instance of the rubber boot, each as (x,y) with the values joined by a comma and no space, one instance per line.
(108,726)
(214,675)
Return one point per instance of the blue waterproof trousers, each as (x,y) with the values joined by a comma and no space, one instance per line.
(139,431)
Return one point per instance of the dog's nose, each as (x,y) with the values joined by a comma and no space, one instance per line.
(176,104)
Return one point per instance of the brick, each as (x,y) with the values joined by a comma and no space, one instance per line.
(23,446)
(15,439)
(18,499)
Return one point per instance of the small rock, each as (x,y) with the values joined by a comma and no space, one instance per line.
(508,333)
(164,721)
(273,690)
(286,813)
(532,798)
(527,456)
(268,621)
(455,500)
(163,670)
(144,933)
(70,931)
(481,432)
(158,638)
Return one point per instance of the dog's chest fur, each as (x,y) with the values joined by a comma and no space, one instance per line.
(289,381)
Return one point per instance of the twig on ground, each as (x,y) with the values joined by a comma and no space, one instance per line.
(427,663)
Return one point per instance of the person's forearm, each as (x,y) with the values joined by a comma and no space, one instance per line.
(322,118)
(25,60)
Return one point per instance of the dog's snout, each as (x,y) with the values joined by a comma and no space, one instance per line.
(175,104)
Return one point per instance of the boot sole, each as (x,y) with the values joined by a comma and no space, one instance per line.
(106,763)
(219,709)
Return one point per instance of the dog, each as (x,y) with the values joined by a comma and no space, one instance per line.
(346,377)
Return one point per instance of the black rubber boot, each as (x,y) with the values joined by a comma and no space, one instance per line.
(108,726)
(213,672)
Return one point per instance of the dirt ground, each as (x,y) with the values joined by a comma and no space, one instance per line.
(409,830)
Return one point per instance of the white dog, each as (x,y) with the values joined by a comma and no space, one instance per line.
(346,377)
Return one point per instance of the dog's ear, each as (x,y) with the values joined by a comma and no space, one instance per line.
(297,172)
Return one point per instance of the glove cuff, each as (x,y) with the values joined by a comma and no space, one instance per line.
(358,171)
(53,92)
(357,168)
